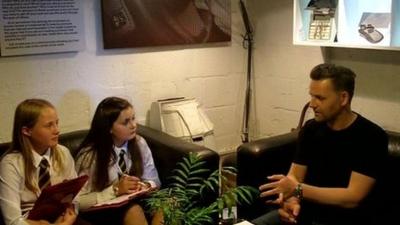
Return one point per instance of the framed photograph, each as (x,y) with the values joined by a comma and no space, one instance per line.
(139,23)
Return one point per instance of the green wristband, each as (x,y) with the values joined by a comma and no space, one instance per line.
(298,192)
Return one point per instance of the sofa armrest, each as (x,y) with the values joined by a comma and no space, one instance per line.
(168,150)
(258,159)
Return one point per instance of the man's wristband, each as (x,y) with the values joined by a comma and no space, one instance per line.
(298,192)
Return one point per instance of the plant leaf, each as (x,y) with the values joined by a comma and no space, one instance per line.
(182,202)
(229,169)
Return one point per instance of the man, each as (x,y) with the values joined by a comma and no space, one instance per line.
(339,157)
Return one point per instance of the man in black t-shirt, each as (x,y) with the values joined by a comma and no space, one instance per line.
(339,157)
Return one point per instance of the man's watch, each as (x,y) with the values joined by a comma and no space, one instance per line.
(298,192)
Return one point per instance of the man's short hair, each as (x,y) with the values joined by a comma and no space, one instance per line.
(342,77)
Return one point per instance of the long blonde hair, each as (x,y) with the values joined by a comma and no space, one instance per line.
(26,115)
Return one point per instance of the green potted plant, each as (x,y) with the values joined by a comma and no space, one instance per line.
(186,201)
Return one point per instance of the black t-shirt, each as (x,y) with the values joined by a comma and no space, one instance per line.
(331,156)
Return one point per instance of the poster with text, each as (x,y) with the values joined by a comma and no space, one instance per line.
(137,23)
(41,26)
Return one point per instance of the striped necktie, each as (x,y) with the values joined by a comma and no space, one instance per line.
(44,175)
(121,162)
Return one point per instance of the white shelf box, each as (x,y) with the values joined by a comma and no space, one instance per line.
(395,23)
(350,17)
(302,23)
(384,15)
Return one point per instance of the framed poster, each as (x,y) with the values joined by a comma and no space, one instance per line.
(45,26)
(138,23)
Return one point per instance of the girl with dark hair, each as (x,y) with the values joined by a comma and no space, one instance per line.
(118,162)
(34,161)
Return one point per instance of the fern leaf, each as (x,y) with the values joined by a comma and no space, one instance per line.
(177,185)
(229,169)
(209,185)
(184,167)
(180,180)
(182,174)
(198,164)
(199,171)
(187,162)
(193,186)
(196,179)
(215,174)
(244,194)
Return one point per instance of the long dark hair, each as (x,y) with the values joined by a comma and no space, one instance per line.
(99,140)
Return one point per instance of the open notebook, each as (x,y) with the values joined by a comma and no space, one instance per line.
(118,201)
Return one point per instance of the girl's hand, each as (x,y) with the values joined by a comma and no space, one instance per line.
(67,218)
(145,186)
(128,184)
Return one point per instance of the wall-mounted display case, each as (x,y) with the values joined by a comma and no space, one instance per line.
(347,23)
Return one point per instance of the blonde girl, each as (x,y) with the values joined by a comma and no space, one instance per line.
(34,161)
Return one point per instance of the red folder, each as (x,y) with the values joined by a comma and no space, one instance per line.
(54,199)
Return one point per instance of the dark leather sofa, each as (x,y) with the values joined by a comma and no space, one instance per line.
(166,150)
(273,155)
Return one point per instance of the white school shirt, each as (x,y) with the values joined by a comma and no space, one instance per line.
(15,199)
(88,197)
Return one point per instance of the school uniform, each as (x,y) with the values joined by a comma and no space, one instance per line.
(15,199)
(86,164)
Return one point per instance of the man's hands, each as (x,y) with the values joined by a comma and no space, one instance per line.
(289,210)
(282,185)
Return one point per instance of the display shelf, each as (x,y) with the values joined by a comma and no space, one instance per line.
(364,24)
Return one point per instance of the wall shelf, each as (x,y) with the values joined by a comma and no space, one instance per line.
(346,22)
